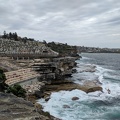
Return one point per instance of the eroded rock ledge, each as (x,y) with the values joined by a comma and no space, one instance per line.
(55,86)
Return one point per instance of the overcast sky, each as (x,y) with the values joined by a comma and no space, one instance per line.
(76,22)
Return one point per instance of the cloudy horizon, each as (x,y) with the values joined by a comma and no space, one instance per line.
(91,23)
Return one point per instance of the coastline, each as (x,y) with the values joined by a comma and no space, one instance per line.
(98,104)
(43,70)
(49,89)
(64,65)
(68,85)
(43,88)
(46,87)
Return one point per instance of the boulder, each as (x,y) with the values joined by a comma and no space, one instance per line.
(74,70)
(38,94)
(75,98)
(47,98)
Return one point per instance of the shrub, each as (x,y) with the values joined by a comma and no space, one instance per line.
(3,85)
(16,90)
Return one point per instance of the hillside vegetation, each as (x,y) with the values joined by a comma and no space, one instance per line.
(63,49)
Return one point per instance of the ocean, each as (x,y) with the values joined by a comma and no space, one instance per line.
(98,105)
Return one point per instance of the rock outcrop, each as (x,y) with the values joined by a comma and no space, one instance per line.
(57,68)
(65,66)
(14,108)
(87,86)
(91,86)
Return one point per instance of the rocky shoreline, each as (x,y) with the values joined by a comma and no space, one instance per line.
(15,108)
(53,78)
(46,87)
(65,68)
(67,85)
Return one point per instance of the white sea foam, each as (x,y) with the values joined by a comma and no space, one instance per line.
(85,58)
(108,84)
(80,109)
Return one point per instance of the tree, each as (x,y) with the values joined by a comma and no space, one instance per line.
(10,35)
(15,36)
(4,34)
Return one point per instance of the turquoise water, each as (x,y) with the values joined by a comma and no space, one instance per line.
(91,106)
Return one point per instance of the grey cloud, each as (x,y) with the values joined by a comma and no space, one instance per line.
(114,21)
(79,22)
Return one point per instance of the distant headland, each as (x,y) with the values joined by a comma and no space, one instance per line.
(97,50)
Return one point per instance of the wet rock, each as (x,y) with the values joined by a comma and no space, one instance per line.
(75,98)
(66,106)
(47,99)
(37,106)
(91,86)
(74,70)
(94,89)
(38,93)
(87,86)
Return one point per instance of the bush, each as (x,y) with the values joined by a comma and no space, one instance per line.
(16,90)
(3,85)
